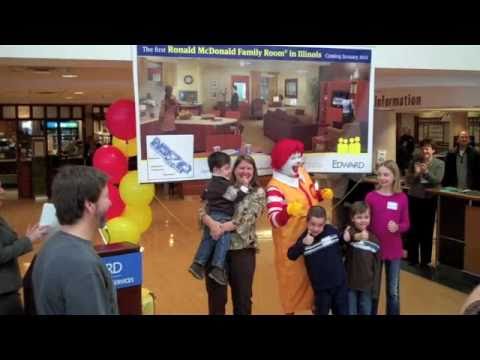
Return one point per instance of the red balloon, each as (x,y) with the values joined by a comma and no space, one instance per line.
(112,162)
(117,203)
(121,119)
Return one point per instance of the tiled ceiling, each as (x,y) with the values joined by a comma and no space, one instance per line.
(394,78)
(41,81)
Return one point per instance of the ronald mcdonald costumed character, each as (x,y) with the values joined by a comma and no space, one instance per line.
(290,194)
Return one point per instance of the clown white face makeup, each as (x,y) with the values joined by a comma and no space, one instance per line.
(291,166)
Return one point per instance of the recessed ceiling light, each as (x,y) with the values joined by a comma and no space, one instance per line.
(41,70)
(78,92)
(46,92)
(69,76)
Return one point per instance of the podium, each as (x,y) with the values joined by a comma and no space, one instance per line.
(124,262)
(458,226)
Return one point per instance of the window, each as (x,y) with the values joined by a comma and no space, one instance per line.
(437,131)
(96,110)
(291,88)
(24,112)
(38,112)
(100,131)
(64,112)
(8,112)
(99,112)
(241,90)
(77,112)
(154,72)
(52,112)
(264,88)
(474,128)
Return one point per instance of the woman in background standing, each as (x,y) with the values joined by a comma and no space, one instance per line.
(168,111)
(11,247)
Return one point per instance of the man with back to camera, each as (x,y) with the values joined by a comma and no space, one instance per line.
(69,278)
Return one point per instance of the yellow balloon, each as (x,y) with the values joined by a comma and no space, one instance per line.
(134,193)
(104,232)
(132,147)
(140,215)
(127,147)
(327,193)
(122,229)
(120,145)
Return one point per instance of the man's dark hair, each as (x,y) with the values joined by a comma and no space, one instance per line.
(317,212)
(426,142)
(235,87)
(218,159)
(72,186)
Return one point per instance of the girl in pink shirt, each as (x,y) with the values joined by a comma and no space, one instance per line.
(389,219)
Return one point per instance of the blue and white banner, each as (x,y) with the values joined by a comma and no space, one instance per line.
(126,269)
(257,52)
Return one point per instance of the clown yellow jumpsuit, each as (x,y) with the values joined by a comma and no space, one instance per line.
(296,293)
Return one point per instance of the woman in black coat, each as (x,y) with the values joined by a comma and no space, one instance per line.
(11,247)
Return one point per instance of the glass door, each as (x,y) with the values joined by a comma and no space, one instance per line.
(8,156)
(32,164)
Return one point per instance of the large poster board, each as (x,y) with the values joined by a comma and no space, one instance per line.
(195,99)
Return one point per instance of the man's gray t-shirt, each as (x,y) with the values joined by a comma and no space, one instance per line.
(70,278)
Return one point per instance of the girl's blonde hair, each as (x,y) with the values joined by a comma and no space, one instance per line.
(393,167)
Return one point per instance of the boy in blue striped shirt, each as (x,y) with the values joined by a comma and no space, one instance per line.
(320,245)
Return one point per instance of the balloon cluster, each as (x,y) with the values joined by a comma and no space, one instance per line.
(130,214)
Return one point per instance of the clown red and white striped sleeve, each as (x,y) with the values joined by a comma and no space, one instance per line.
(277,207)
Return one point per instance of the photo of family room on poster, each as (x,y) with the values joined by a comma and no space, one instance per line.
(244,99)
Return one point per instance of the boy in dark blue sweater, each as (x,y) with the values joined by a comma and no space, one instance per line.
(320,244)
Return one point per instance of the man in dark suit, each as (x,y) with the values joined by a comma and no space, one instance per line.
(462,165)
(13,246)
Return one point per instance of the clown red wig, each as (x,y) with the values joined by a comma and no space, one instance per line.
(283,150)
